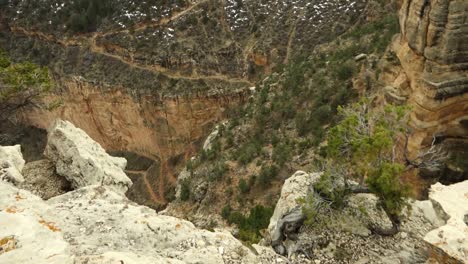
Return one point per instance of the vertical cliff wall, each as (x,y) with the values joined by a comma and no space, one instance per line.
(431,75)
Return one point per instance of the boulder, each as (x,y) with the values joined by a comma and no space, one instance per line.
(450,241)
(11,164)
(82,161)
(97,225)
(288,216)
(366,208)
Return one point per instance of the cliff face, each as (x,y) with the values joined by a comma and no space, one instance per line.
(151,77)
(165,130)
(431,74)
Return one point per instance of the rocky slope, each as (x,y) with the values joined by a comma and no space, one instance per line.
(96,224)
(432,231)
(152,78)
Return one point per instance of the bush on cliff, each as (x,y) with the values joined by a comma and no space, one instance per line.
(20,84)
(361,147)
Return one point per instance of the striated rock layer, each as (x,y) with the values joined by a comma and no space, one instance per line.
(433,55)
(166,130)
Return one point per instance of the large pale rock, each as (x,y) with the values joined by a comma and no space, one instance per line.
(97,225)
(31,234)
(451,238)
(82,161)
(288,211)
(11,164)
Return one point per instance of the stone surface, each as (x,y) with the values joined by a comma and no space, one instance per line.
(298,186)
(370,214)
(97,225)
(451,238)
(287,216)
(432,73)
(41,179)
(82,161)
(11,164)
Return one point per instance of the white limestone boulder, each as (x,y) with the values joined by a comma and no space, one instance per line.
(82,161)
(288,215)
(97,225)
(11,164)
(27,235)
(296,187)
(451,238)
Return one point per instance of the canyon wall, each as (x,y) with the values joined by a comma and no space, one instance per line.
(153,78)
(430,73)
(167,131)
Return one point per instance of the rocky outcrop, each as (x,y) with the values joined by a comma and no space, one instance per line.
(431,72)
(288,215)
(82,161)
(11,164)
(97,225)
(449,243)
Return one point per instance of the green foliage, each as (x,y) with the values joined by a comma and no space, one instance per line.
(250,225)
(361,144)
(267,174)
(218,171)
(382,30)
(282,153)
(243,186)
(86,15)
(385,183)
(249,151)
(20,84)
(185,190)
(344,72)
(331,188)
(309,210)
(226,212)
(212,153)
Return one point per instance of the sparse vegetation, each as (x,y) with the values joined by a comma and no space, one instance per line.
(185,190)
(361,147)
(20,84)
(251,224)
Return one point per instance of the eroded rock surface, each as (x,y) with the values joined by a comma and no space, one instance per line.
(288,215)
(98,225)
(82,161)
(430,73)
(451,238)
(11,164)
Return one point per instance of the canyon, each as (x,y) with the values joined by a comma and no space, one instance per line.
(176,88)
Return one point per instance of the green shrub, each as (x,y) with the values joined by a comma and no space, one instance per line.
(344,72)
(218,171)
(226,212)
(249,226)
(267,174)
(282,153)
(243,186)
(185,190)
